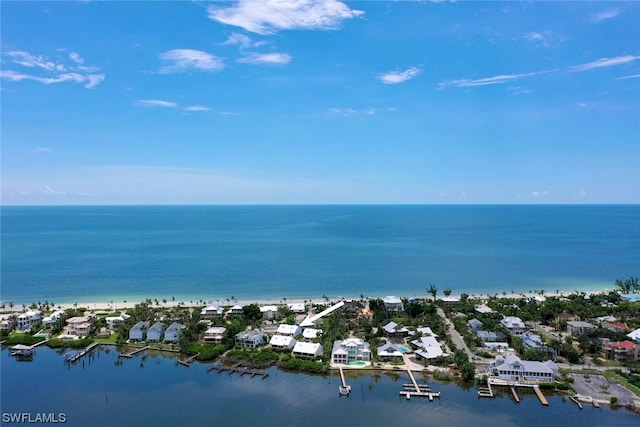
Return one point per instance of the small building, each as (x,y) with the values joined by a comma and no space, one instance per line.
(28,320)
(393,329)
(112,321)
(482,309)
(289,330)
(236,310)
(513,324)
(390,351)
(173,333)
(364,316)
(577,328)
(474,324)
(619,327)
(566,317)
(496,346)
(214,335)
(250,339)
(427,347)
(307,350)
(393,303)
(350,350)
(282,342)
(50,320)
(7,323)
(490,336)
(269,311)
(450,300)
(531,341)
(511,368)
(310,334)
(211,311)
(297,307)
(154,333)
(621,351)
(139,331)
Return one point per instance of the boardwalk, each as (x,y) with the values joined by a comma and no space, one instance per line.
(344,388)
(77,356)
(187,362)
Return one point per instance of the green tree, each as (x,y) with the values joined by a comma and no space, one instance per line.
(432,290)
(252,312)
(447,292)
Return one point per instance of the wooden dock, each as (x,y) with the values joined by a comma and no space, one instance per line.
(344,388)
(417,390)
(187,362)
(515,395)
(133,353)
(77,356)
(242,370)
(485,392)
(513,384)
(576,401)
(543,399)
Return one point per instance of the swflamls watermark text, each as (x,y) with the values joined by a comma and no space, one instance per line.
(34,417)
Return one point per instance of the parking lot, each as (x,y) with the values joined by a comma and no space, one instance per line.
(593,385)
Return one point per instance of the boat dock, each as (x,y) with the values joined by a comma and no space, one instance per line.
(417,390)
(242,370)
(187,362)
(513,384)
(485,391)
(543,399)
(133,353)
(70,358)
(576,401)
(515,395)
(344,388)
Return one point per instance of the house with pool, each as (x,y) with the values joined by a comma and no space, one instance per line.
(352,351)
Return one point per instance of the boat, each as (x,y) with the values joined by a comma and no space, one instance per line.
(22,352)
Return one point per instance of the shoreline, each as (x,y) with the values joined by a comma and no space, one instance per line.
(119,303)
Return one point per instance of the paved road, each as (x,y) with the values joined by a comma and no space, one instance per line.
(455,336)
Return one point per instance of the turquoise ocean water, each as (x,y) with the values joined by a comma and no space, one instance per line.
(99,253)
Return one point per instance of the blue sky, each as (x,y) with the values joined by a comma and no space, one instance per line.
(320,101)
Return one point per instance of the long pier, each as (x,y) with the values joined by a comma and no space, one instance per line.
(75,357)
(576,401)
(344,388)
(515,395)
(543,399)
(513,384)
(242,370)
(187,362)
(419,390)
(133,353)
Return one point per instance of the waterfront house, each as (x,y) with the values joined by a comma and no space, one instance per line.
(392,303)
(79,326)
(7,323)
(211,311)
(635,335)
(282,342)
(513,324)
(28,320)
(390,351)
(577,328)
(307,350)
(139,331)
(474,324)
(511,368)
(50,320)
(350,350)
(112,321)
(450,300)
(427,347)
(214,335)
(289,330)
(236,310)
(621,351)
(173,332)
(269,311)
(297,307)
(250,339)
(393,329)
(154,333)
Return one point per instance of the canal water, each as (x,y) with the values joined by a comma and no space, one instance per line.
(153,389)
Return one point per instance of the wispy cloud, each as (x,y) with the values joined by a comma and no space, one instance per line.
(539,194)
(181,60)
(542,38)
(633,76)
(41,150)
(243,41)
(396,77)
(504,78)
(349,112)
(603,16)
(196,108)
(266,58)
(49,71)
(271,16)
(155,103)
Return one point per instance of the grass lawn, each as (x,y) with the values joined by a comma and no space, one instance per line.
(614,377)
(111,340)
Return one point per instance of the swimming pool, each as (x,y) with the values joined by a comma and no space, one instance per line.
(357,363)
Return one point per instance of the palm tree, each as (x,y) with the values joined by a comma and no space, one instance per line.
(447,292)
(433,290)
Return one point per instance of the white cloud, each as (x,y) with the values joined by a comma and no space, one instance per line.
(539,194)
(51,191)
(266,58)
(544,38)
(41,150)
(196,108)
(633,76)
(155,103)
(270,16)
(180,60)
(243,41)
(349,112)
(47,71)
(504,78)
(395,77)
(603,16)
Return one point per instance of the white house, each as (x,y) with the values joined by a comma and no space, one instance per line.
(211,311)
(282,342)
(269,311)
(308,350)
(392,303)
(392,328)
(236,310)
(139,331)
(116,320)
(483,309)
(531,341)
(635,335)
(173,332)
(297,307)
(6,323)
(28,320)
(310,334)
(511,368)
(513,324)
(250,339)
(214,334)
(428,347)
(389,351)
(289,330)
(154,333)
(577,328)
(49,320)
(350,350)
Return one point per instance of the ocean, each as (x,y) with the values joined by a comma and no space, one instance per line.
(67,254)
